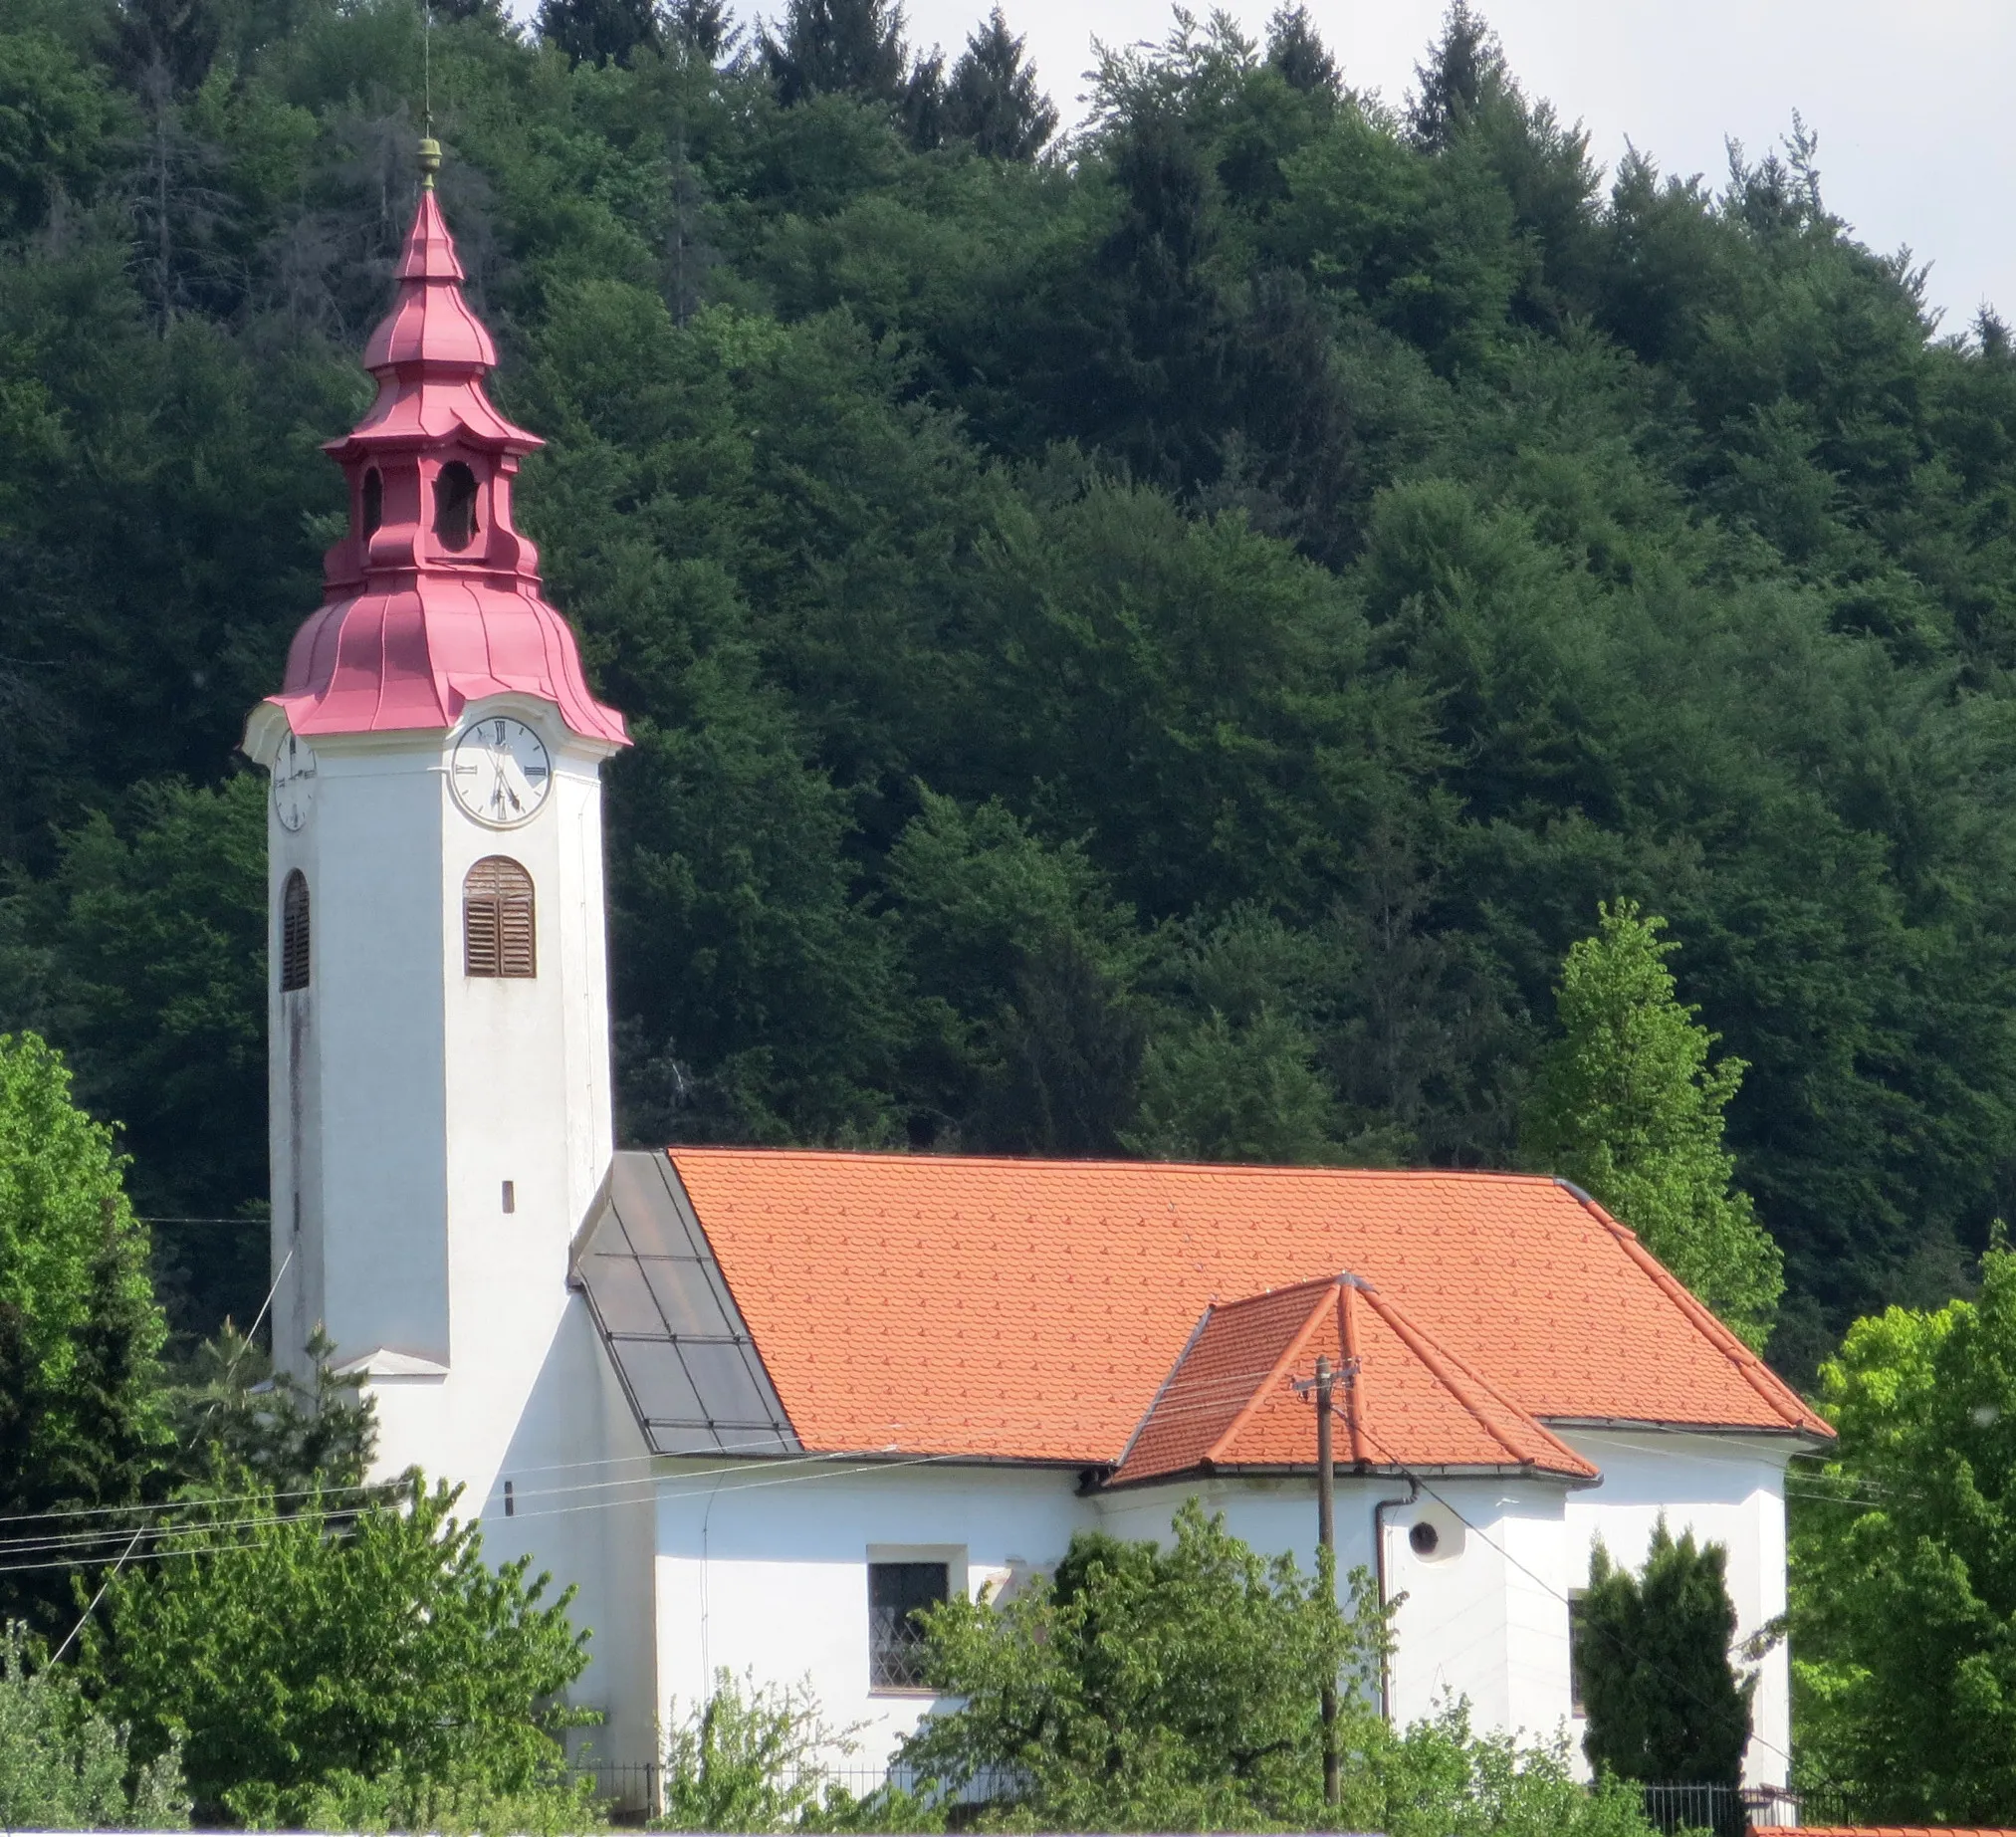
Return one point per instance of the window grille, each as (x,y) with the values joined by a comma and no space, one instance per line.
(498,933)
(896,1591)
(293,933)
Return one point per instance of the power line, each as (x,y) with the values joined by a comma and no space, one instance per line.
(1549,1588)
(188,1535)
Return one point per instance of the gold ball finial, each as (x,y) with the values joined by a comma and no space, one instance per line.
(430,162)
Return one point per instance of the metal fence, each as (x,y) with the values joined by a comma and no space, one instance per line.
(634,1791)
(1729,1812)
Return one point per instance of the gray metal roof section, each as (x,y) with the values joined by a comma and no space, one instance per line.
(677,1339)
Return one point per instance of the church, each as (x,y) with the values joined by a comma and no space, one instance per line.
(757,1405)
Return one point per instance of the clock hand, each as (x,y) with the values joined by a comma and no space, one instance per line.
(512,770)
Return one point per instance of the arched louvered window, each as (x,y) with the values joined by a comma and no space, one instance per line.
(293,932)
(496,919)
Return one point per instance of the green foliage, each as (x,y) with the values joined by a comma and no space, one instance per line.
(1628,1106)
(1664,1703)
(1178,1686)
(1903,1604)
(83,1419)
(237,1416)
(145,949)
(64,1767)
(1229,1091)
(1438,1780)
(325,1658)
(751,1758)
(993,99)
(1362,518)
(1148,1687)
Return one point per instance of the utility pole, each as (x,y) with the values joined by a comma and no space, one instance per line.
(1326,1563)
(1324,1385)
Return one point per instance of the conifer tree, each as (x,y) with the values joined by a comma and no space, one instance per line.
(838,47)
(1299,54)
(1629,1107)
(1663,1700)
(703,26)
(992,99)
(598,30)
(1464,65)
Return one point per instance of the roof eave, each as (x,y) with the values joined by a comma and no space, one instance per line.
(1779,1431)
(1364,1470)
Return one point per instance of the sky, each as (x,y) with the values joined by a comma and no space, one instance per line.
(1910,98)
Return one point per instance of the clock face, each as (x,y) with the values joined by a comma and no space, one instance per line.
(293,783)
(500,771)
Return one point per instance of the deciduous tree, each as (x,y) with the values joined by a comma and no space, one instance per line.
(1904,1609)
(1628,1106)
(342,1657)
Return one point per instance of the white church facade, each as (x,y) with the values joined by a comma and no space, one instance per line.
(755,1404)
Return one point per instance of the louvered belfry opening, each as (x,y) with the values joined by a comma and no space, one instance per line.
(496,919)
(293,933)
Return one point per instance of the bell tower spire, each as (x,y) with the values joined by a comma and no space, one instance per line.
(439,1006)
(432,599)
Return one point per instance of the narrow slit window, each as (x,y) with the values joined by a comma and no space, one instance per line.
(1578,1620)
(497,931)
(294,957)
(374,501)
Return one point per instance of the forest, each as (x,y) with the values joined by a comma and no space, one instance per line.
(1154,638)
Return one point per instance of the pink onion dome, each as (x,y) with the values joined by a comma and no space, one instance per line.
(432,599)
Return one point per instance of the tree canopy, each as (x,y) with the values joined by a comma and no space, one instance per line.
(1342,542)
(1664,1701)
(1626,1105)
(337,1660)
(84,1424)
(1903,1611)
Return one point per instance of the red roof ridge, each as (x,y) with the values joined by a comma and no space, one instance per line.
(1248,1169)
(1455,1375)
(1759,1375)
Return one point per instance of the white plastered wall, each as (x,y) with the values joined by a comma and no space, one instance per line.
(1484,1618)
(1725,1489)
(762,1567)
(404,1095)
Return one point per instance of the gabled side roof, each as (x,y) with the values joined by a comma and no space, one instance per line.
(1029,1310)
(1232,1405)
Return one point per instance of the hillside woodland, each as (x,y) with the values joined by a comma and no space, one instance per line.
(1154,640)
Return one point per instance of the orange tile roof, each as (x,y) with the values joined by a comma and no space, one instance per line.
(1029,1309)
(1232,1402)
(1902,1830)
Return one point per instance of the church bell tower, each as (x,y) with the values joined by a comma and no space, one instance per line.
(438,997)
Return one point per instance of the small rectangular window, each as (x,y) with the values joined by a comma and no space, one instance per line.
(1577,1602)
(509,1502)
(511,1195)
(896,1591)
